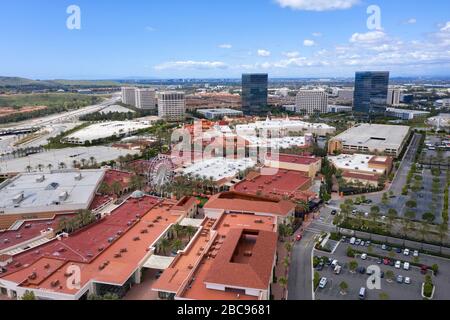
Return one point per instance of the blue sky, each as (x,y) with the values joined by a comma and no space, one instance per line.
(213,38)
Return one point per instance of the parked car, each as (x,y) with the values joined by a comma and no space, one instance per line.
(424,270)
(358,242)
(379,261)
(386,261)
(382,274)
(323,283)
(352,240)
(406,266)
(406,252)
(362,244)
(408,280)
(384,247)
(399,279)
(398,250)
(391,263)
(344,239)
(337,270)
(416,253)
(334,212)
(368,243)
(361,270)
(299,237)
(398,265)
(320,266)
(334,263)
(362,293)
(364,256)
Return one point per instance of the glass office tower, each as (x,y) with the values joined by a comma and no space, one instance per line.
(254,93)
(371,91)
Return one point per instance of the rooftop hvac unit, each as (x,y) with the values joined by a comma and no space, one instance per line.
(78,177)
(40,179)
(18,198)
(63,196)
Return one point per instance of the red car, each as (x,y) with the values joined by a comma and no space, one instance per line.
(299,237)
(386,262)
(424,270)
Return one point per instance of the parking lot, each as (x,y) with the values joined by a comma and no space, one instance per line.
(394,290)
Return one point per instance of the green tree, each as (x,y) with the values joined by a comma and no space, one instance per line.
(353,266)
(343,286)
(28,295)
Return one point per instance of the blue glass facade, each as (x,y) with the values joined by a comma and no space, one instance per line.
(371,91)
(254,93)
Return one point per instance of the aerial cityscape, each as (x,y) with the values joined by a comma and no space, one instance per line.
(270,150)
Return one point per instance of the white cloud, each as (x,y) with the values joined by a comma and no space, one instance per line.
(292,54)
(317,5)
(446,28)
(411,21)
(317,34)
(225,46)
(263,53)
(309,43)
(190,64)
(368,37)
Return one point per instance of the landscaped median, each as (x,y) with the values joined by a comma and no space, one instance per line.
(428,288)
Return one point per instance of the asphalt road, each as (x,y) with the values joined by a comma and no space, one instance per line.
(300,275)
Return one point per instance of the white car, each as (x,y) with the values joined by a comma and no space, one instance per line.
(323,283)
(398,265)
(364,256)
(352,240)
(406,252)
(406,266)
(407,280)
(416,253)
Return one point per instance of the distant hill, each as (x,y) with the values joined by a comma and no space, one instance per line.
(23,83)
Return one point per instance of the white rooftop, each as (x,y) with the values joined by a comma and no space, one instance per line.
(276,143)
(218,168)
(108,129)
(375,136)
(48,192)
(282,124)
(356,162)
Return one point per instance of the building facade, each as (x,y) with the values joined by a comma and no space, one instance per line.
(393,97)
(146,99)
(172,106)
(311,102)
(254,93)
(129,96)
(371,92)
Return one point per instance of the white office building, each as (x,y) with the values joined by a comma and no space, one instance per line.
(129,96)
(146,99)
(312,102)
(393,97)
(172,106)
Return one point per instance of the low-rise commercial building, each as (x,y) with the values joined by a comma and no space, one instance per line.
(371,139)
(221,113)
(406,114)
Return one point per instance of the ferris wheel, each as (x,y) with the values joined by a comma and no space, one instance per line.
(161,171)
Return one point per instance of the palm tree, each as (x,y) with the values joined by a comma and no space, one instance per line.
(92,160)
(49,167)
(62,165)
(283,282)
(177,245)
(40,167)
(424,229)
(178,229)
(303,206)
(343,286)
(190,232)
(163,245)
(29,168)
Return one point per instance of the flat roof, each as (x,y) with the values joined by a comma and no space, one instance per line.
(66,156)
(276,143)
(374,136)
(218,168)
(358,162)
(107,129)
(52,191)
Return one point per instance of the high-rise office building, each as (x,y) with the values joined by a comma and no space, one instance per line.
(172,106)
(146,99)
(311,102)
(394,97)
(129,96)
(371,92)
(254,93)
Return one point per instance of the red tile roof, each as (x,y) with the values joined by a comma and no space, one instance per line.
(299,159)
(254,271)
(241,202)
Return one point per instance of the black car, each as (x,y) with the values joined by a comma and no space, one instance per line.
(334,212)
(320,266)
(361,270)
